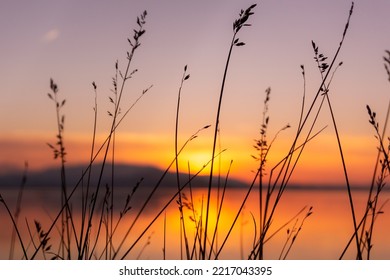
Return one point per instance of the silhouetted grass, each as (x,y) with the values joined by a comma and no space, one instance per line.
(237,25)
(101,215)
(17,210)
(183,233)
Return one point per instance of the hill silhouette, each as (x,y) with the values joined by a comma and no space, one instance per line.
(125,175)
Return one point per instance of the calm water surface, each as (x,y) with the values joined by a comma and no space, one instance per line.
(323,236)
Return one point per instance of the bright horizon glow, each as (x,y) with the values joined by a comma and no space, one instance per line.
(320,163)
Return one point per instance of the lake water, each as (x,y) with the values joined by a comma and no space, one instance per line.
(324,234)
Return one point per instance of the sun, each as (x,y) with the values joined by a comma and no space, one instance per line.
(195,161)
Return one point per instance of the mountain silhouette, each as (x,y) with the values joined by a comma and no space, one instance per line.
(125,175)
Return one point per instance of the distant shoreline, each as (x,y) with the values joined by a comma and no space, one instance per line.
(128,175)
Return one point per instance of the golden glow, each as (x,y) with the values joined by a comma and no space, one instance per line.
(327,229)
(196,161)
(320,162)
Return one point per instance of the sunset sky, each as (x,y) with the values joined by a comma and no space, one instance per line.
(78,42)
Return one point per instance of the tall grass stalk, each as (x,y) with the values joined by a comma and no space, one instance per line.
(85,194)
(377,182)
(167,203)
(219,212)
(322,65)
(126,208)
(197,223)
(110,216)
(372,200)
(288,165)
(237,25)
(84,173)
(17,210)
(183,233)
(135,43)
(359,254)
(384,163)
(84,239)
(372,203)
(67,224)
